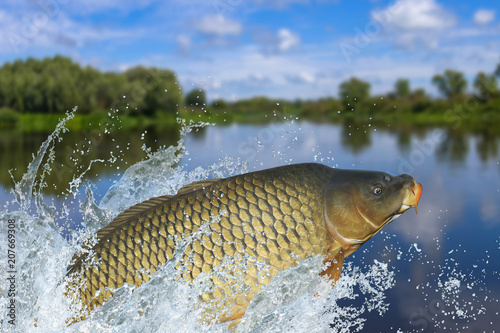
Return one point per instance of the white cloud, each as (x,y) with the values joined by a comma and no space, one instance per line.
(282,41)
(287,40)
(416,15)
(53,29)
(318,70)
(302,77)
(268,65)
(184,43)
(414,23)
(245,72)
(6,37)
(217,25)
(484,16)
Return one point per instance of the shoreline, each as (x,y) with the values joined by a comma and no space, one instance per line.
(36,123)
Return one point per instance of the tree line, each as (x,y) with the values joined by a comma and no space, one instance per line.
(452,85)
(55,85)
(355,98)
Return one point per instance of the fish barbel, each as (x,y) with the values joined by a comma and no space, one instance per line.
(265,221)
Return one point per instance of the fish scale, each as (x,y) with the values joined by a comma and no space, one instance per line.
(264,221)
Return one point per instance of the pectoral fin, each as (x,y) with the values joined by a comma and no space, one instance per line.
(234,318)
(235,314)
(335,259)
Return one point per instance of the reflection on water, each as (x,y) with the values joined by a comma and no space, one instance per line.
(487,146)
(78,150)
(454,148)
(404,139)
(355,137)
(445,259)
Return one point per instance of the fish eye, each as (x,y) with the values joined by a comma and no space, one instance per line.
(377,188)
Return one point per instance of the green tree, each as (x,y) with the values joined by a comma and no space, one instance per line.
(196,97)
(353,92)
(58,84)
(18,93)
(153,89)
(219,104)
(402,88)
(452,83)
(324,107)
(110,89)
(486,86)
(419,101)
(164,94)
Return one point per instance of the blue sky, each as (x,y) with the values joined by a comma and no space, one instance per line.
(279,48)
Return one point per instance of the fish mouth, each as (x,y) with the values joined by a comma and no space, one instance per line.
(412,198)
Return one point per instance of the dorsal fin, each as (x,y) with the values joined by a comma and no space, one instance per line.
(130,213)
(197,185)
(139,208)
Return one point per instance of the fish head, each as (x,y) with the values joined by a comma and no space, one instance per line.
(357,204)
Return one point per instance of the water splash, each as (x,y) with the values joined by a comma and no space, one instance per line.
(23,190)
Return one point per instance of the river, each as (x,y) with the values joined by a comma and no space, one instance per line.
(435,271)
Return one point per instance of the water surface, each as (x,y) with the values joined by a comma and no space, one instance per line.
(438,269)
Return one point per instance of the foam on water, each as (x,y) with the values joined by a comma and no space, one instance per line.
(297,300)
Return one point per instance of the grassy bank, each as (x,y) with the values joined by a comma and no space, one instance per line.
(45,123)
(469,122)
(455,119)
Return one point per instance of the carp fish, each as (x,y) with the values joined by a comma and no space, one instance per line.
(263,222)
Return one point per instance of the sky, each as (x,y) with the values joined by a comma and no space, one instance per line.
(236,49)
